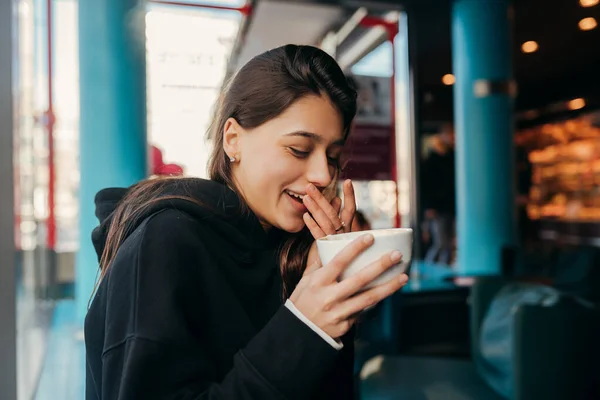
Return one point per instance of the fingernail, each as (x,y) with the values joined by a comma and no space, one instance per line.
(307,199)
(348,182)
(368,238)
(311,187)
(403,278)
(395,256)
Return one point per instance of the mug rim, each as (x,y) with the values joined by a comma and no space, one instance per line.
(354,235)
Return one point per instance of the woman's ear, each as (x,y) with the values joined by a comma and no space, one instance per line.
(231,138)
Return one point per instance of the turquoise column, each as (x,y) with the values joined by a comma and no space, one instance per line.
(113,149)
(483,111)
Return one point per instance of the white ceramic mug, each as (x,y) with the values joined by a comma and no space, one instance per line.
(386,241)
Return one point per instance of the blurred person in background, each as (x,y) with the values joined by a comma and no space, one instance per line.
(213,289)
(438,194)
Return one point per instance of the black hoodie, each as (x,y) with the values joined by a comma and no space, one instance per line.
(191,308)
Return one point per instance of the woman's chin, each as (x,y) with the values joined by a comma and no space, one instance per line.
(292,225)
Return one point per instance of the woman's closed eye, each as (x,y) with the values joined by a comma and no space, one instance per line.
(304,154)
(335,161)
(299,153)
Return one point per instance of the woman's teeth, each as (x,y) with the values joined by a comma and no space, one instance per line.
(298,196)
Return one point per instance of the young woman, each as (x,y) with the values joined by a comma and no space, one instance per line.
(213,289)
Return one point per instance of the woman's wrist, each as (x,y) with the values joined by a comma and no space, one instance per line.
(335,343)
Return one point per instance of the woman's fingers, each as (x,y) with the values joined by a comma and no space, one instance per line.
(336,203)
(340,262)
(312,267)
(313,227)
(322,211)
(319,216)
(347,214)
(371,297)
(322,202)
(358,281)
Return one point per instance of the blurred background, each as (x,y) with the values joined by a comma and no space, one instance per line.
(478,126)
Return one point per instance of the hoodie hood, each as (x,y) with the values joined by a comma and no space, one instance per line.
(216,204)
(106,202)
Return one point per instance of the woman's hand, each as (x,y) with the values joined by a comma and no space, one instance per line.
(324,216)
(333,306)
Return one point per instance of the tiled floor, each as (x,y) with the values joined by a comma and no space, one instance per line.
(33,326)
(63,373)
(423,378)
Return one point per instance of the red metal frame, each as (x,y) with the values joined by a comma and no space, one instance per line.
(244,10)
(392,30)
(49,121)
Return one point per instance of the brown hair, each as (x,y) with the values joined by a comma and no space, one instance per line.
(260,91)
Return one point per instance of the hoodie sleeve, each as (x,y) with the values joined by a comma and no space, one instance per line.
(157,345)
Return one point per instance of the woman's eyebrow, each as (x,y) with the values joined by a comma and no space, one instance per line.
(313,136)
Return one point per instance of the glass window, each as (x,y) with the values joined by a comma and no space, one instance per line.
(376,63)
(185,76)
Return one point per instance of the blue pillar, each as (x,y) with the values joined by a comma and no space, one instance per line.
(483,111)
(113,149)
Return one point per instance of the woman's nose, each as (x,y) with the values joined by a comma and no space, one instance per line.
(319,172)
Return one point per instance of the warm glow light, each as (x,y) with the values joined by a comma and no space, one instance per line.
(529,47)
(588,3)
(587,24)
(448,79)
(576,104)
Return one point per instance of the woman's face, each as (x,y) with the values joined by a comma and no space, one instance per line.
(277,160)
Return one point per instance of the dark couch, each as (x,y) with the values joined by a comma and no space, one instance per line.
(556,358)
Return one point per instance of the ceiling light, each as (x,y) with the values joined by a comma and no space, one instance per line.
(448,79)
(576,104)
(587,24)
(588,3)
(529,46)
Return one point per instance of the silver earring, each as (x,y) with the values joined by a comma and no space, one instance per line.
(232,159)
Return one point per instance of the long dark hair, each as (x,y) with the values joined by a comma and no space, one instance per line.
(260,91)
